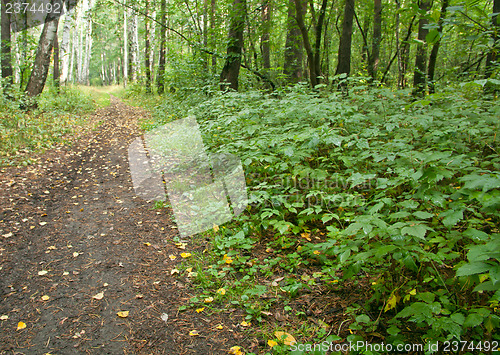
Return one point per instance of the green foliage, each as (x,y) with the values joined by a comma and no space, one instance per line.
(403,194)
(22,133)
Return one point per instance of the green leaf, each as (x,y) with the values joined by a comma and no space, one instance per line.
(423,214)
(473,269)
(417,230)
(452,217)
(473,320)
(433,36)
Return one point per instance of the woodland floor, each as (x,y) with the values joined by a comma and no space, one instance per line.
(71,228)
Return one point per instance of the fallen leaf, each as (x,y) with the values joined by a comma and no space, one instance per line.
(42,223)
(286,338)
(185,255)
(75,254)
(209,300)
(199,310)
(65,273)
(4,317)
(122,314)
(272,343)
(245,324)
(306,236)
(172,257)
(174,271)
(316,252)
(147,244)
(164,317)
(52,247)
(105,284)
(194,333)
(236,350)
(391,302)
(8,235)
(189,269)
(99,296)
(220,327)
(139,296)
(221,291)
(181,245)
(216,228)
(45,298)
(21,325)
(43,272)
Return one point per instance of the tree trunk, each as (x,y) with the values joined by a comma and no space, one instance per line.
(492,55)
(435,48)
(5,52)
(377,35)
(264,40)
(160,80)
(56,74)
(65,44)
(344,63)
(231,69)
(294,56)
(125,47)
(300,10)
(212,34)
(133,46)
(419,76)
(147,53)
(317,45)
(41,65)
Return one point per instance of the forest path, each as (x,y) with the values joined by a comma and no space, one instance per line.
(72,229)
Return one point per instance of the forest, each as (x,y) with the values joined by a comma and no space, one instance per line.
(367,133)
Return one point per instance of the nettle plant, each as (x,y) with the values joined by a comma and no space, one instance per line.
(406,194)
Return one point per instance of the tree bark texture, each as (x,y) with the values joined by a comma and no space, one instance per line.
(160,80)
(435,48)
(147,52)
(231,69)
(300,10)
(266,29)
(5,53)
(57,73)
(294,55)
(419,76)
(344,63)
(377,36)
(493,54)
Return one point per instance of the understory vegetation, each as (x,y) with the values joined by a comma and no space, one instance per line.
(24,133)
(371,218)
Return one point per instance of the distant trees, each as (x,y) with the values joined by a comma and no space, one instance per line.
(5,46)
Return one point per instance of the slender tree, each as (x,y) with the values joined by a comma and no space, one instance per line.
(41,65)
(65,42)
(435,48)
(419,76)
(231,69)
(300,10)
(377,36)
(344,63)
(160,79)
(56,75)
(147,50)
(5,53)
(292,66)
(266,29)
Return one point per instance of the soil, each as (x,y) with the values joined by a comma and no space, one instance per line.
(72,229)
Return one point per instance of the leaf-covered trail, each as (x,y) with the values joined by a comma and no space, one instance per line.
(77,247)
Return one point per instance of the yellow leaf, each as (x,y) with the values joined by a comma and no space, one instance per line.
(245,324)
(413,292)
(122,314)
(220,327)
(209,300)
(216,228)
(306,236)
(221,291)
(316,252)
(21,325)
(272,343)
(147,244)
(391,302)
(43,272)
(236,350)
(45,298)
(172,257)
(42,223)
(174,271)
(4,317)
(286,338)
(189,269)
(194,333)
(199,310)
(181,245)
(52,247)
(75,254)
(99,296)
(185,255)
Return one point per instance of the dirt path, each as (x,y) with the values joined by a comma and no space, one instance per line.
(72,229)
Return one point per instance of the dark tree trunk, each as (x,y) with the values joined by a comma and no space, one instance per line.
(5,52)
(419,76)
(264,41)
(492,55)
(377,35)
(317,45)
(231,69)
(300,10)
(41,65)
(435,48)
(344,61)
(57,74)
(160,80)
(147,50)
(212,34)
(292,67)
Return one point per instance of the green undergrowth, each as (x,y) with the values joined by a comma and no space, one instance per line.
(23,134)
(388,202)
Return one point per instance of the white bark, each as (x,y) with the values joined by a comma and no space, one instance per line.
(134,45)
(65,45)
(125,48)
